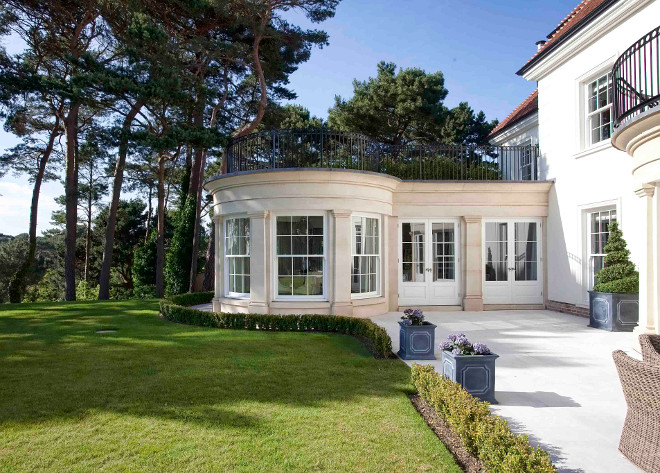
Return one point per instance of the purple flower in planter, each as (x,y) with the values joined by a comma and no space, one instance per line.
(456,351)
(446,345)
(451,337)
(481,349)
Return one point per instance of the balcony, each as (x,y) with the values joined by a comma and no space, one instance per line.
(636,80)
(298,149)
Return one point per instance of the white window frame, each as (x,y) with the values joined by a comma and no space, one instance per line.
(526,154)
(377,292)
(274,261)
(588,140)
(590,272)
(228,293)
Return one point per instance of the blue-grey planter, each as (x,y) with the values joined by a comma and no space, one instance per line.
(476,373)
(613,311)
(416,342)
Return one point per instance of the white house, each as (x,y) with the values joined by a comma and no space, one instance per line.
(594,182)
(328,222)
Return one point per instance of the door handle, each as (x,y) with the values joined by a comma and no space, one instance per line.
(512,269)
(429,269)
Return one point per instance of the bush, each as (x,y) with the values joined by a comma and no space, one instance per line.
(86,292)
(179,254)
(619,274)
(486,436)
(173,309)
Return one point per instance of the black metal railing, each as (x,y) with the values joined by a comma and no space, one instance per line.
(636,78)
(290,149)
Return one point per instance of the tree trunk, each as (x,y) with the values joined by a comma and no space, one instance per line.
(149,212)
(71,201)
(104,277)
(160,241)
(209,268)
(196,234)
(18,281)
(88,233)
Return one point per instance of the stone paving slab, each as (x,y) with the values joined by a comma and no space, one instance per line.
(555,380)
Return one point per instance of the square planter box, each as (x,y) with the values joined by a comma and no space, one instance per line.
(612,311)
(476,373)
(416,342)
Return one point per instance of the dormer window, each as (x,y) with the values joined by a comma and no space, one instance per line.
(599,109)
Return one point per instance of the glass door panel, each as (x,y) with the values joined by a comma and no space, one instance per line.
(444,259)
(526,251)
(413,249)
(497,254)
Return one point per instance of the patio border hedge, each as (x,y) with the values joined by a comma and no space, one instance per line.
(175,309)
(486,436)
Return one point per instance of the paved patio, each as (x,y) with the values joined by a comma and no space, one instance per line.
(555,381)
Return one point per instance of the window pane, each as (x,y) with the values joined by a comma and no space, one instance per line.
(315,286)
(315,225)
(525,231)
(406,233)
(315,266)
(246,284)
(299,286)
(283,245)
(407,272)
(315,245)
(284,266)
(299,266)
(299,245)
(284,225)
(299,225)
(284,286)
(496,231)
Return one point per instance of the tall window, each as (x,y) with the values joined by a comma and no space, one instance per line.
(237,256)
(300,256)
(599,108)
(366,256)
(598,235)
(526,161)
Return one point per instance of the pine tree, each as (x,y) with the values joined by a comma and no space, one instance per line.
(619,274)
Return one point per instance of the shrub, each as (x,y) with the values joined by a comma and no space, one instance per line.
(86,292)
(173,309)
(179,254)
(619,274)
(486,436)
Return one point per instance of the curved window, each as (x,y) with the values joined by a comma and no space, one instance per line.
(365,271)
(237,257)
(300,255)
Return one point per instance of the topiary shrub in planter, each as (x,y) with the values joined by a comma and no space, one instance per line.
(471,366)
(416,337)
(614,302)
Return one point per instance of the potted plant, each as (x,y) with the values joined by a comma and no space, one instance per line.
(471,366)
(416,336)
(614,302)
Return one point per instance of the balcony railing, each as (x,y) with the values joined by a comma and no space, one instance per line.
(636,78)
(294,149)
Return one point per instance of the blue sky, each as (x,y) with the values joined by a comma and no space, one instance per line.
(478,45)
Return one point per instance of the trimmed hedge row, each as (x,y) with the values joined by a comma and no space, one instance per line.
(192,298)
(486,436)
(173,309)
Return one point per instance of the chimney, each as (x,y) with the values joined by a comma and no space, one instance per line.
(539,44)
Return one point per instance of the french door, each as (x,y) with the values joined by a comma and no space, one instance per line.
(513,272)
(429,262)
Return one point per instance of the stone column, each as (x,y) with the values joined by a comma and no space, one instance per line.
(341,303)
(473,297)
(646,263)
(219,262)
(259,262)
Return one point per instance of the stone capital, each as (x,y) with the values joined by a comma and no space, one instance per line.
(341,213)
(259,214)
(646,190)
(472,218)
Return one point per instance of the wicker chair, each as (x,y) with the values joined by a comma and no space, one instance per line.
(640,439)
(650,345)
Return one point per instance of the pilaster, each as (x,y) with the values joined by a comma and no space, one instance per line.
(259,267)
(341,275)
(473,298)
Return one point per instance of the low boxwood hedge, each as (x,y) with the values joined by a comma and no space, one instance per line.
(486,436)
(174,309)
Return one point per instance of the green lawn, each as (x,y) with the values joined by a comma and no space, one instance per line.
(157,396)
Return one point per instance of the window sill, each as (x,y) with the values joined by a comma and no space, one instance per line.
(372,300)
(594,149)
(310,303)
(235,301)
(359,296)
